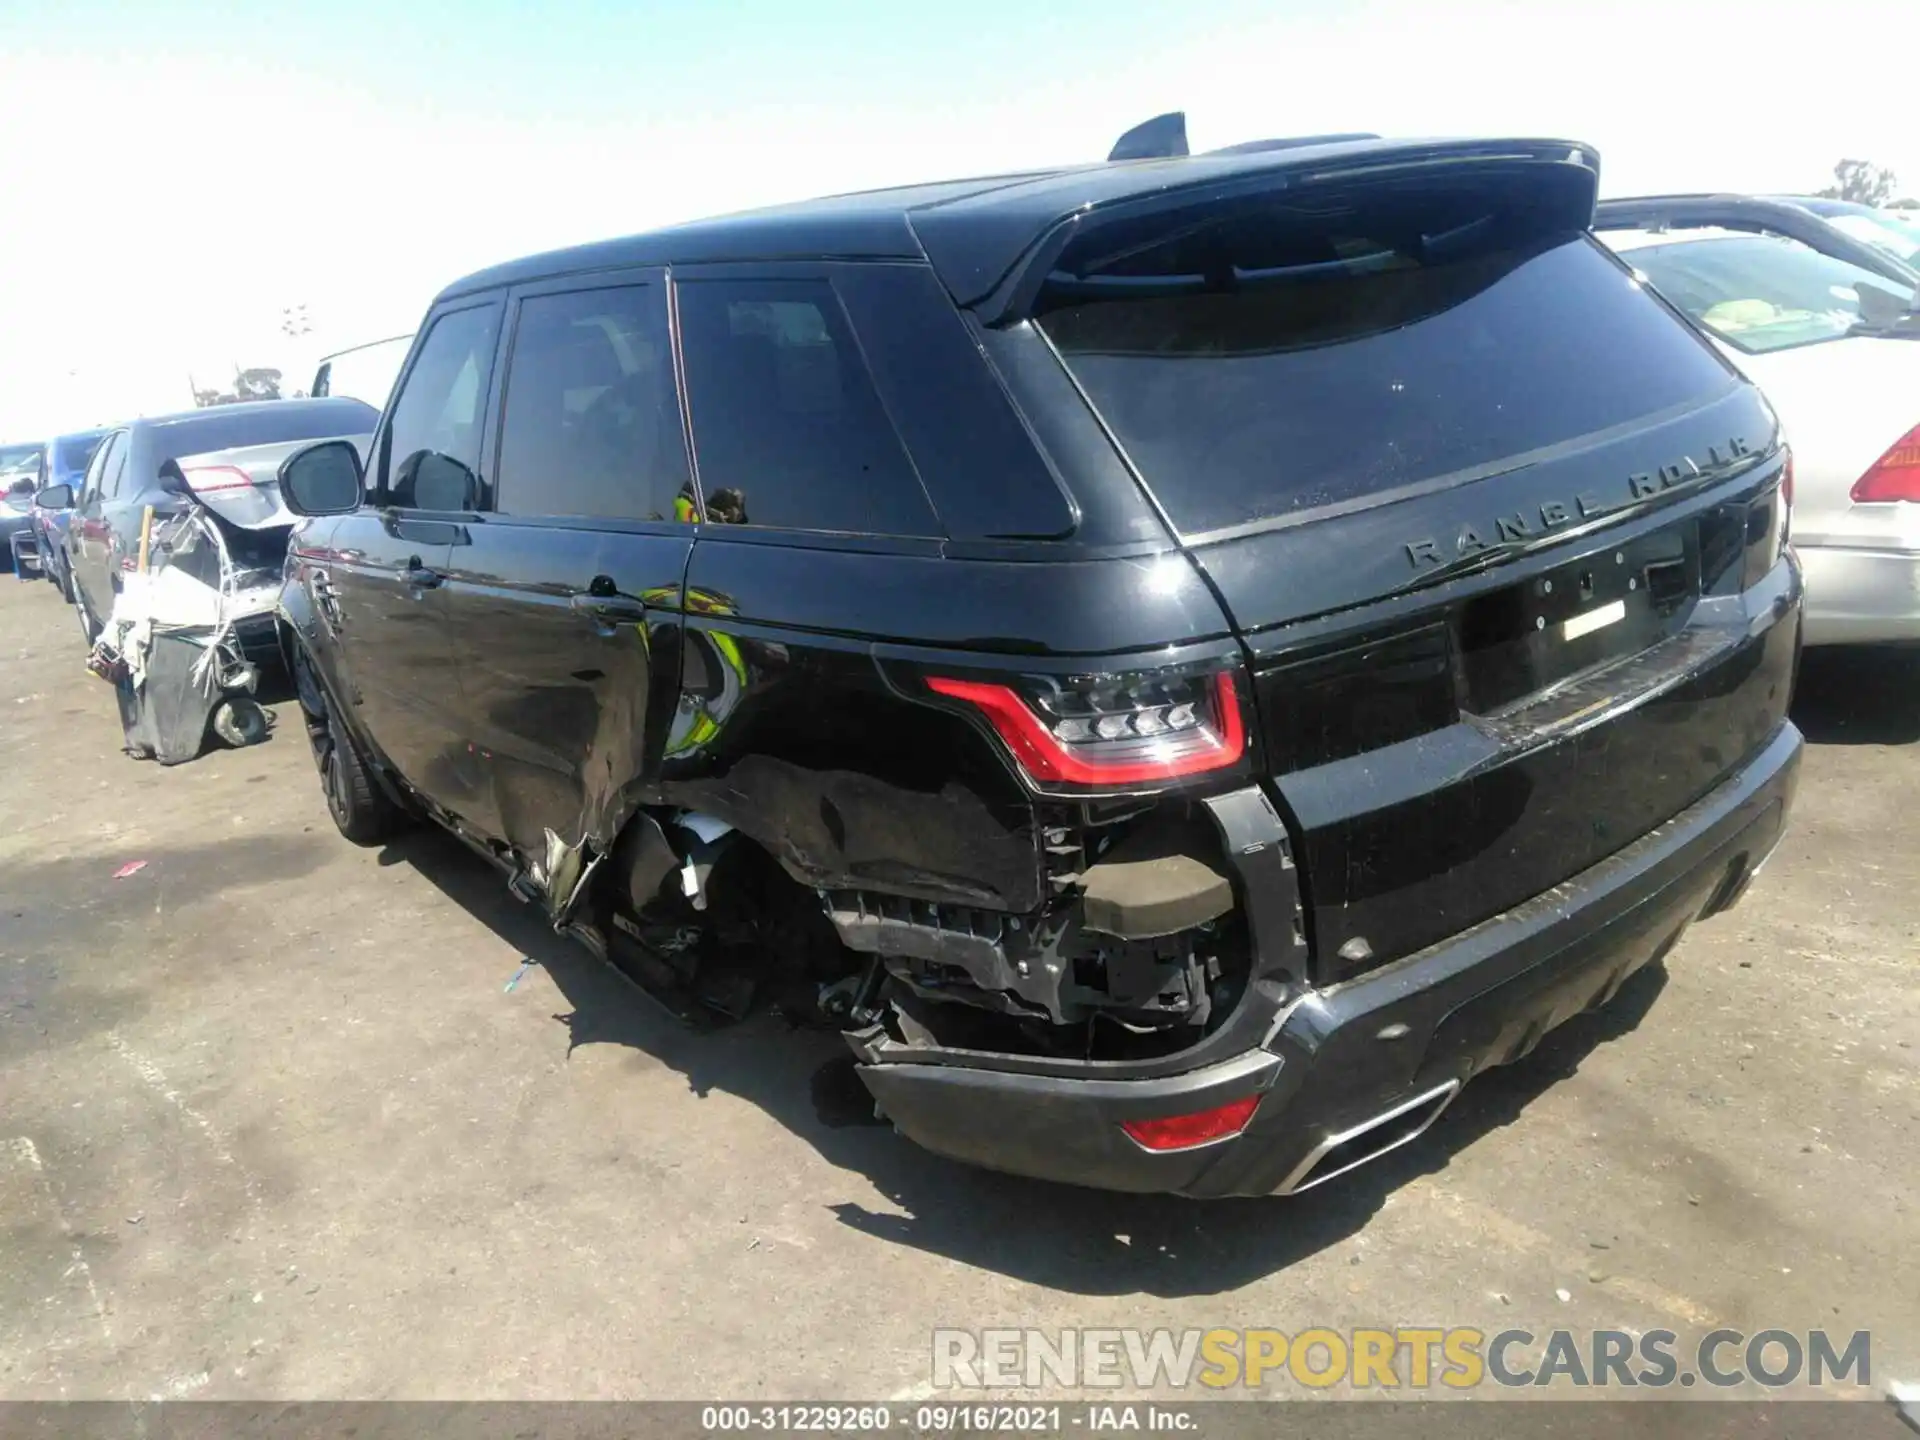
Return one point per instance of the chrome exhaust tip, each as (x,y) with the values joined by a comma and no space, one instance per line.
(1373,1137)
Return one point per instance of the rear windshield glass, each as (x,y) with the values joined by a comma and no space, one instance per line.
(1303,353)
(1765,292)
(73,453)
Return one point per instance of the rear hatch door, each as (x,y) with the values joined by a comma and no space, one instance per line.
(1489,517)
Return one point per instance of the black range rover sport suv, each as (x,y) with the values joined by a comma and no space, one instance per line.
(1184,661)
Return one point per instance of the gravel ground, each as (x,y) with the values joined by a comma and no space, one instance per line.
(272,1125)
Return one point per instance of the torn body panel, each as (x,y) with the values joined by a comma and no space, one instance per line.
(172,644)
(567,691)
(837,828)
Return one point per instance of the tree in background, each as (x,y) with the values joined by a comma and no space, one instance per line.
(257,384)
(254,383)
(1862,182)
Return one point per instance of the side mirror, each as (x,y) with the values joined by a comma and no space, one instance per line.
(323,479)
(55,497)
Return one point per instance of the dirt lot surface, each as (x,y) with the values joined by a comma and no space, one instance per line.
(273,1125)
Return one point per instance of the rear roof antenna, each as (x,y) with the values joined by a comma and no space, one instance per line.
(1160,138)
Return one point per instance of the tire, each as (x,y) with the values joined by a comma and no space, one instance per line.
(240,722)
(362,810)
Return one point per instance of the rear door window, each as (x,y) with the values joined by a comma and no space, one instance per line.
(114,467)
(592,420)
(1295,353)
(787,429)
(96,467)
(431,456)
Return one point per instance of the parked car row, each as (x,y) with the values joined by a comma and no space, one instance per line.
(25,473)
(104,487)
(1185,661)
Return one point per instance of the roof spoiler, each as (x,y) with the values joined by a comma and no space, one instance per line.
(996,251)
(1164,137)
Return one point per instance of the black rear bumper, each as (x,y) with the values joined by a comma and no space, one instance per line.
(1394,1043)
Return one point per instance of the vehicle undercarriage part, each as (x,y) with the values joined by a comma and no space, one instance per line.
(1141,946)
(710,924)
(1140,950)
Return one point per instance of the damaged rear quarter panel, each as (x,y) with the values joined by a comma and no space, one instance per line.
(788,729)
(798,743)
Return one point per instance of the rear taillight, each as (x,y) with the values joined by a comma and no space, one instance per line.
(205,478)
(1114,732)
(1202,1127)
(1895,475)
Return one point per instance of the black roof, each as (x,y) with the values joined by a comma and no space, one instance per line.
(974,232)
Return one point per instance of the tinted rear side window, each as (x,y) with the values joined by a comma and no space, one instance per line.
(983,471)
(1296,355)
(787,429)
(592,423)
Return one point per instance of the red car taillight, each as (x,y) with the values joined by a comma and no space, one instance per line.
(1183,1132)
(1113,734)
(204,478)
(1895,475)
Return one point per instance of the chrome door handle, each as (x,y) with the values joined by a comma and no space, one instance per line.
(609,607)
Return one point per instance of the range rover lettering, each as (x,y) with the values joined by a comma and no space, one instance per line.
(1184,660)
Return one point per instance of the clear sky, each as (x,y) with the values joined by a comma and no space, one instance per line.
(174,174)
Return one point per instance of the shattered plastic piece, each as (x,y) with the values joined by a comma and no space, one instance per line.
(708,827)
(132,867)
(525,965)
